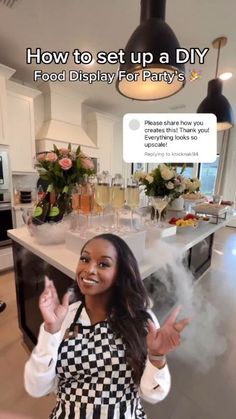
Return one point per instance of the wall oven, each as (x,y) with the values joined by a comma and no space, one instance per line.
(4,170)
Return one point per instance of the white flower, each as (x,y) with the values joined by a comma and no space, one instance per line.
(163,166)
(196,182)
(191,185)
(181,187)
(188,183)
(195,185)
(139,175)
(149,178)
(166,173)
(170,185)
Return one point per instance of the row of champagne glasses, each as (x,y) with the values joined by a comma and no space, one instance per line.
(95,194)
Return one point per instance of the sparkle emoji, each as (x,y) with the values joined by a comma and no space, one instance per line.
(194,74)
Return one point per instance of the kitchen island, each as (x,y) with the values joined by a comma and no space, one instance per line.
(32,261)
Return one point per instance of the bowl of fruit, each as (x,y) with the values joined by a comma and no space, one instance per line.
(188,220)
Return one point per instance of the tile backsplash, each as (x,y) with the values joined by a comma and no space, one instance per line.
(24,182)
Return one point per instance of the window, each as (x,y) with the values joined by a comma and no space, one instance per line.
(207,175)
(188,171)
(138,167)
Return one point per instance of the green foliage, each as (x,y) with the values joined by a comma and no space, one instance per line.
(63,167)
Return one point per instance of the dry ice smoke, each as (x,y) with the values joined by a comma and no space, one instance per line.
(50,233)
(173,284)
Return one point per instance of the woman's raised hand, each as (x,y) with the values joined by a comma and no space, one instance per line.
(167,338)
(52,310)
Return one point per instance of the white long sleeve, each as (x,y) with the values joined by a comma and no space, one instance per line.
(155,383)
(40,370)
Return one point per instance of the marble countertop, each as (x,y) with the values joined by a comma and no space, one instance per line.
(66,261)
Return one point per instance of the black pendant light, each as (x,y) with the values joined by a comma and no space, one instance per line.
(153,35)
(215,102)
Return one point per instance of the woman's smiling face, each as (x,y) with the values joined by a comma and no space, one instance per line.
(97,268)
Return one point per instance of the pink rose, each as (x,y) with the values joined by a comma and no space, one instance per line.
(87,163)
(41,157)
(65,163)
(51,157)
(64,151)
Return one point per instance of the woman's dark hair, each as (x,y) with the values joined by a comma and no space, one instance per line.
(128,308)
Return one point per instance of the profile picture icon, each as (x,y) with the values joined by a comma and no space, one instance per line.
(134,124)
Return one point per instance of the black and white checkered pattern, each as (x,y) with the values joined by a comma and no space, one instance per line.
(94,378)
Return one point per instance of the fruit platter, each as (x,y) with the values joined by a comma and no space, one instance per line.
(189,220)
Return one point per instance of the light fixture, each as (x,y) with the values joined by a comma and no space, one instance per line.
(153,35)
(225,76)
(215,102)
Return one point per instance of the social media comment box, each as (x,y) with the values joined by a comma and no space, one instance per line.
(169,138)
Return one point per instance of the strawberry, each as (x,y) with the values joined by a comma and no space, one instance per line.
(173,220)
(189,217)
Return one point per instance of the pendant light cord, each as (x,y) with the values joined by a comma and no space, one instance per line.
(218,59)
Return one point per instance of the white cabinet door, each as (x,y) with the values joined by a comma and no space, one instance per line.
(6,258)
(20,132)
(5,74)
(3,112)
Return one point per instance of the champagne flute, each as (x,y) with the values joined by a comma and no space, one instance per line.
(132,197)
(102,194)
(117,196)
(159,203)
(75,206)
(86,202)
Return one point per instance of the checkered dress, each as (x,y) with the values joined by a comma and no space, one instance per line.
(94,378)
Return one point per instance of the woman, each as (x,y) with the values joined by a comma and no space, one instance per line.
(102,352)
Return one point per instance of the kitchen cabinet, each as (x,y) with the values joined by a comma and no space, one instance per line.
(5,73)
(100,128)
(6,258)
(21,131)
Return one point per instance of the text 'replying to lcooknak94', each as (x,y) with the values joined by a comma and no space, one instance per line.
(169,138)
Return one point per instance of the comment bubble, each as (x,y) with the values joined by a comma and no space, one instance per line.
(169,138)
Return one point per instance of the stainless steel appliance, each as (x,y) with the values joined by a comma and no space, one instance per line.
(4,170)
(5,222)
(5,204)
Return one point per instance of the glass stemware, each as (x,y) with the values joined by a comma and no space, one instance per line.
(159,203)
(86,202)
(102,194)
(75,207)
(132,197)
(117,196)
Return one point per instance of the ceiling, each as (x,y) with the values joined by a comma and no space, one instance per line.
(105,25)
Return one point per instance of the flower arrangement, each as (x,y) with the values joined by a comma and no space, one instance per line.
(192,185)
(162,181)
(63,167)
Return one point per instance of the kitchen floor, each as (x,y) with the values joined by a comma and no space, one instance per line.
(195,394)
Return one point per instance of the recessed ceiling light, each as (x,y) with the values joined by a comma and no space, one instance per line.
(225,76)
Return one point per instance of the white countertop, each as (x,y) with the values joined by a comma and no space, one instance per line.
(187,237)
(66,261)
